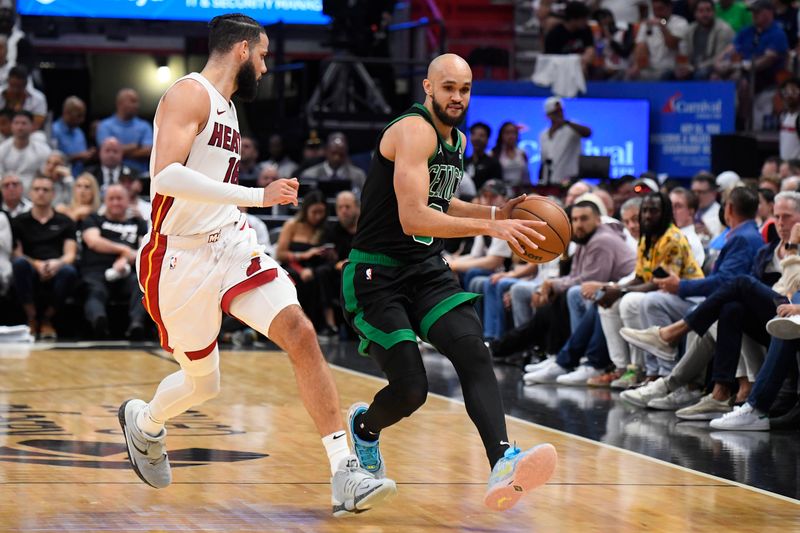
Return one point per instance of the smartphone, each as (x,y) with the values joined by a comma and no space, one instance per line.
(780,300)
(660,272)
(598,295)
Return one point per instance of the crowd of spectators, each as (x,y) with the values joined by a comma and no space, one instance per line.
(753,43)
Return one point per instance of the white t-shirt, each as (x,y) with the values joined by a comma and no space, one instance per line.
(624,10)
(661,57)
(563,151)
(789,141)
(35,101)
(694,243)
(497,247)
(26,162)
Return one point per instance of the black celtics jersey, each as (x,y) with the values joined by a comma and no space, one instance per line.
(379,229)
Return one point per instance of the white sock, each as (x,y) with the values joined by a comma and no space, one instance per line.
(145,422)
(337,448)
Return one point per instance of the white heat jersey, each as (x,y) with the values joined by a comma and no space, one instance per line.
(215,153)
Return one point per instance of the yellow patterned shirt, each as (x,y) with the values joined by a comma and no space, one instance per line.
(672,252)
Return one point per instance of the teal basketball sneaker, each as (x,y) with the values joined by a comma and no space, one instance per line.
(518,472)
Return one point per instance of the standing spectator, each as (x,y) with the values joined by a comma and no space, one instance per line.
(657,43)
(85,199)
(18,95)
(706,39)
(481,166)
(573,35)
(277,156)
(109,253)
(614,46)
(560,145)
(337,165)
(735,13)
(21,153)
(706,219)
(43,273)
(69,136)
(248,162)
(55,167)
(512,158)
(790,136)
(684,207)
(110,170)
(135,134)
(14,201)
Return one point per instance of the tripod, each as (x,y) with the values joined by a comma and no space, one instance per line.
(336,91)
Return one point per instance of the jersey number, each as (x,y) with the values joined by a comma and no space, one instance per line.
(427,241)
(232,174)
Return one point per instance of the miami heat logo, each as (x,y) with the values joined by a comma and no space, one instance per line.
(255,266)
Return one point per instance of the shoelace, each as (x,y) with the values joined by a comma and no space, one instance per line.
(369,455)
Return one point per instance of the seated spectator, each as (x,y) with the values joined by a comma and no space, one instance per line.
(18,95)
(6,116)
(790,184)
(684,207)
(55,167)
(44,275)
(512,158)
(135,134)
(572,36)
(5,64)
(300,251)
(111,169)
(576,190)
(789,139)
(771,183)
(336,166)
(480,165)
(22,154)
(735,13)
(661,245)
(657,43)
(277,156)
(85,199)
(107,264)
(248,162)
(772,163)
(602,256)
(706,219)
(139,207)
(14,201)
(313,153)
(614,47)
(705,40)
(69,136)
(560,145)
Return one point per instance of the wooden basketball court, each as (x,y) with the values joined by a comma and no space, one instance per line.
(250,460)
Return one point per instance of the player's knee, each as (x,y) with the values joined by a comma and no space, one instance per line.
(411,393)
(207,387)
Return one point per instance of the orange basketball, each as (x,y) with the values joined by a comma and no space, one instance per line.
(557,233)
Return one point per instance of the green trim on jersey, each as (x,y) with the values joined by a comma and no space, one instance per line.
(446,144)
(357,256)
(441,309)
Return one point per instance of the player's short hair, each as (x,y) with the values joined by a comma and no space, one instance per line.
(225,31)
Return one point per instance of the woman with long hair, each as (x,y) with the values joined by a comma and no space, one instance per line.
(301,252)
(85,198)
(511,157)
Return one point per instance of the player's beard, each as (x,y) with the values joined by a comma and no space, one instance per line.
(246,82)
(441,114)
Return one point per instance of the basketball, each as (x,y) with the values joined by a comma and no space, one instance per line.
(557,233)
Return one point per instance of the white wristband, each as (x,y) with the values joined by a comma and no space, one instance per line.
(494,211)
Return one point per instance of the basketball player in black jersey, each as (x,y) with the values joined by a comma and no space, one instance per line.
(397,286)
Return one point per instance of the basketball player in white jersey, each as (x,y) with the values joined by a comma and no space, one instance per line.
(201,258)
